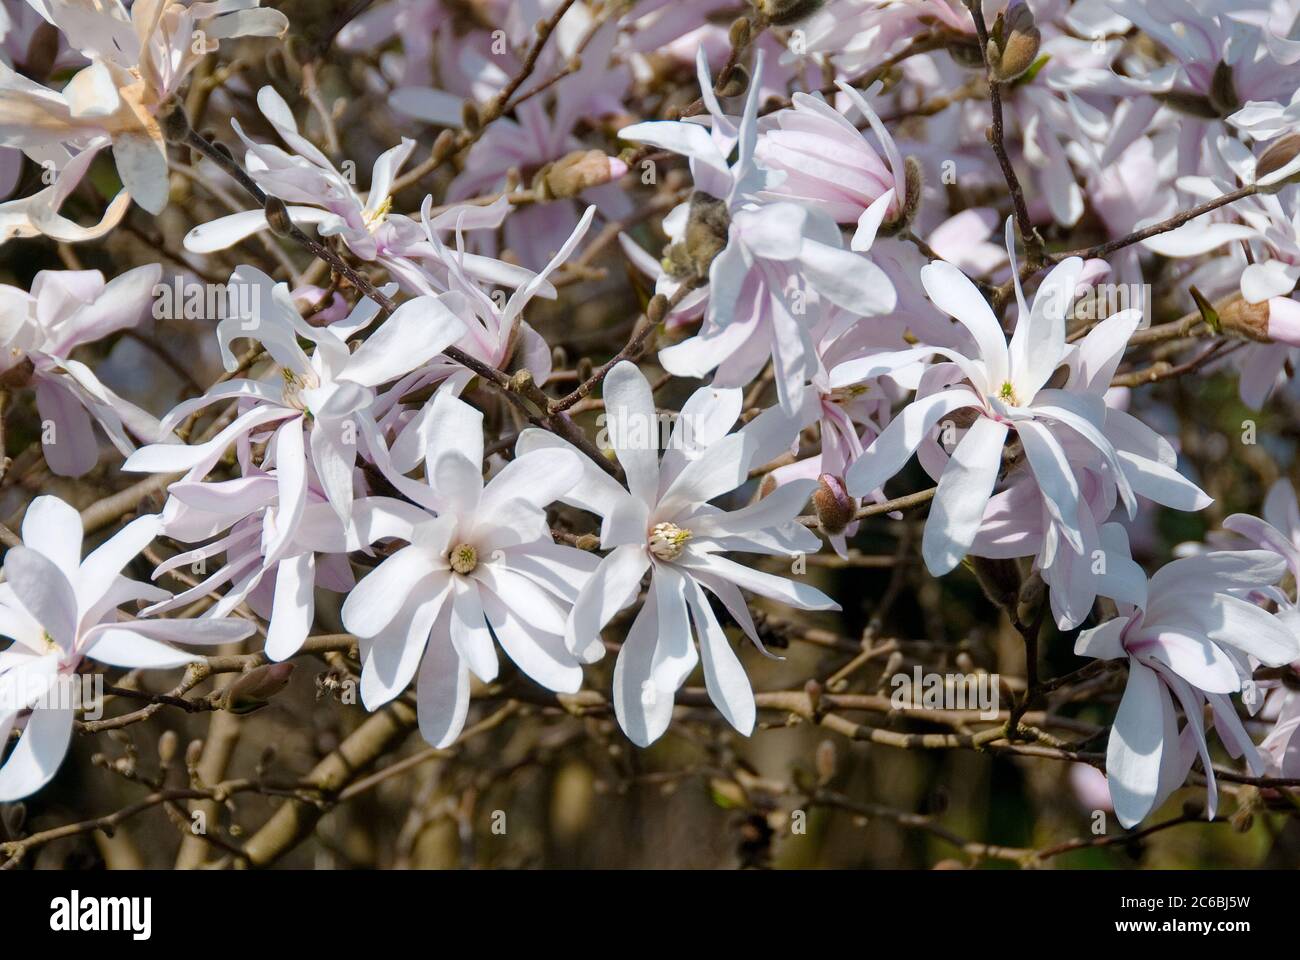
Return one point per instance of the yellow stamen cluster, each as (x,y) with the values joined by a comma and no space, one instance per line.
(667,540)
(463,558)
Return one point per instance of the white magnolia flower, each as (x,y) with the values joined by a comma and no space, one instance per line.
(776,262)
(137,64)
(326,394)
(1188,637)
(1006,387)
(65,310)
(664,523)
(484,568)
(59,609)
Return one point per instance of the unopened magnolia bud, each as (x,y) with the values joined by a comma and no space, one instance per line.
(193,753)
(740,33)
(581,170)
(737,82)
(469,116)
(781,13)
(444,145)
(827,761)
(1000,579)
(252,690)
(222,149)
(167,745)
(834,506)
(1251,321)
(1013,43)
(1279,153)
(174,121)
(277,217)
(657,308)
(1031,596)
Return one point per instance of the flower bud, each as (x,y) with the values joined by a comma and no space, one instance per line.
(581,170)
(1252,320)
(1000,580)
(173,120)
(1013,42)
(167,745)
(1279,153)
(469,116)
(834,506)
(277,217)
(740,33)
(827,761)
(657,308)
(782,13)
(737,82)
(252,690)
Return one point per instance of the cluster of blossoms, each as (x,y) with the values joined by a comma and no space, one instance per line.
(826,274)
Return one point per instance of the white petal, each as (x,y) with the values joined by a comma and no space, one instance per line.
(964,491)
(1136,745)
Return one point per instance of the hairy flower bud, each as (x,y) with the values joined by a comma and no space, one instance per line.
(657,308)
(1252,321)
(999,579)
(252,690)
(277,217)
(1013,42)
(174,121)
(737,82)
(579,171)
(834,506)
(1279,153)
(781,13)
(469,116)
(740,33)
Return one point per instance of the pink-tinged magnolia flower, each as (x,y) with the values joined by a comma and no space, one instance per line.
(138,62)
(1020,520)
(832,167)
(317,193)
(67,309)
(60,609)
(664,523)
(1005,387)
(1186,642)
(320,408)
(1271,229)
(495,334)
(484,568)
(277,582)
(776,262)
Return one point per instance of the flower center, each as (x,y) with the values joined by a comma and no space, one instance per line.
(463,558)
(1007,394)
(294,385)
(375,218)
(667,540)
